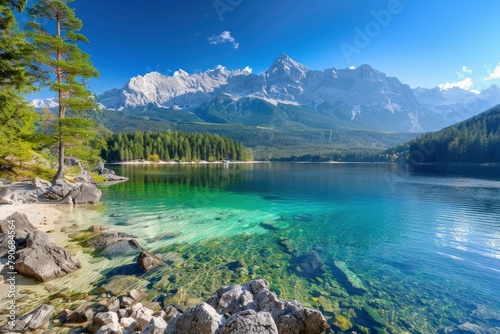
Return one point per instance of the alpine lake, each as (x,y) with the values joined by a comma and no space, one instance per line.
(375,247)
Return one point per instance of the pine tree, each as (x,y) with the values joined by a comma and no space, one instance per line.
(66,65)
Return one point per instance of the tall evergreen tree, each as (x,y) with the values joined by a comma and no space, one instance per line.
(68,66)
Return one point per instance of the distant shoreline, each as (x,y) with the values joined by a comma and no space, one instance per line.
(138,162)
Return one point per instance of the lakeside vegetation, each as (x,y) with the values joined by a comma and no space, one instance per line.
(173,146)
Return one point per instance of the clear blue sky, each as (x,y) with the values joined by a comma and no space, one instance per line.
(424,43)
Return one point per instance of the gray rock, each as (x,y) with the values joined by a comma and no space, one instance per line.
(59,190)
(113,305)
(103,319)
(232,299)
(21,223)
(129,324)
(249,322)
(148,261)
(110,329)
(86,193)
(41,184)
(108,239)
(170,313)
(122,313)
(143,316)
(201,319)
(126,301)
(7,196)
(156,326)
(42,260)
(81,316)
(136,295)
(289,317)
(33,319)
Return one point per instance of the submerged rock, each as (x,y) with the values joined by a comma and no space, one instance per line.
(32,320)
(275,225)
(350,277)
(308,265)
(148,261)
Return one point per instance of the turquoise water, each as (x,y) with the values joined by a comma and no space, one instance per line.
(400,252)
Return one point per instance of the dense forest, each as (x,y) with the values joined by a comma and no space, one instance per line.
(173,146)
(476,140)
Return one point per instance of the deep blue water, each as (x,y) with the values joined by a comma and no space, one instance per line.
(425,248)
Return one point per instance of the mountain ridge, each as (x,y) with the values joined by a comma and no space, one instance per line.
(358,98)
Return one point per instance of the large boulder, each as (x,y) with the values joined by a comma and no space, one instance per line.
(200,319)
(21,226)
(308,265)
(112,244)
(69,193)
(42,260)
(249,322)
(86,193)
(290,317)
(21,223)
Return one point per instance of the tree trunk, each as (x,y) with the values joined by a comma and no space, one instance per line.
(60,170)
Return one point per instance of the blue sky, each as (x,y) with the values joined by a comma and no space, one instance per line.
(422,42)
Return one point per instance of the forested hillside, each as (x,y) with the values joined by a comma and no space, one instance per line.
(476,140)
(178,146)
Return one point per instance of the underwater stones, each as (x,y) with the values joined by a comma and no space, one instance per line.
(350,278)
(249,322)
(237,265)
(342,323)
(275,225)
(31,321)
(286,245)
(148,261)
(80,316)
(98,228)
(468,328)
(373,315)
(308,265)
(120,283)
(108,239)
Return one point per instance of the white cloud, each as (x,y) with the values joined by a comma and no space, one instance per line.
(352,67)
(464,84)
(495,74)
(466,70)
(224,37)
(247,69)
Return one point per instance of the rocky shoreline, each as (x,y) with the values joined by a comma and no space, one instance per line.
(250,308)
(247,308)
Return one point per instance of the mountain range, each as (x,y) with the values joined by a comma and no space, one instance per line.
(289,95)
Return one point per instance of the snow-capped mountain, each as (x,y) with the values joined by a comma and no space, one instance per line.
(455,105)
(359,97)
(42,103)
(289,94)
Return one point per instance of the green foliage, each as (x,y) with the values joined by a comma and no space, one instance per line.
(154,157)
(179,146)
(66,68)
(476,140)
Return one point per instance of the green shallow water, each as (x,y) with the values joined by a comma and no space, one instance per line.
(400,252)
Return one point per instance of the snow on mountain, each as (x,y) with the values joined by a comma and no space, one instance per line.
(455,104)
(358,97)
(41,103)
